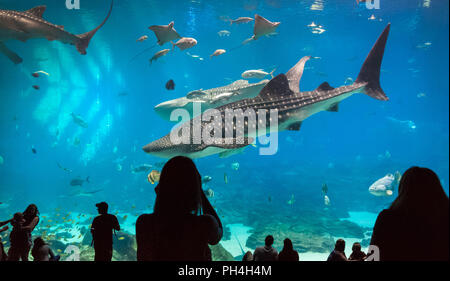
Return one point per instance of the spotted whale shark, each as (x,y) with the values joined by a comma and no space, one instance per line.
(282,94)
(16,25)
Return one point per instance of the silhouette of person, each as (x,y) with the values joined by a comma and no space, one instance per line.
(338,254)
(266,253)
(102,232)
(42,252)
(20,237)
(357,254)
(416,226)
(248,256)
(3,255)
(288,253)
(183,222)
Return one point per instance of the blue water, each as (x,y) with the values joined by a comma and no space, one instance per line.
(348,150)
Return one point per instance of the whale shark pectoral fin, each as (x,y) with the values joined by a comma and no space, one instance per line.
(295,126)
(10,54)
(37,11)
(334,107)
(294,75)
(278,86)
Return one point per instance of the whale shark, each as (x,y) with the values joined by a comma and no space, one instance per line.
(282,94)
(211,98)
(15,25)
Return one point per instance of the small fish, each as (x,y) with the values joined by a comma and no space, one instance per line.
(209,193)
(170,85)
(141,168)
(142,38)
(269,198)
(125,217)
(36,87)
(372,17)
(159,54)
(184,43)
(241,20)
(325,189)
(121,238)
(79,121)
(218,52)
(225,178)
(78,181)
(235,166)
(153,176)
(258,74)
(326,200)
(36,74)
(33,150)
(206,179)
(292,200)
(223,33)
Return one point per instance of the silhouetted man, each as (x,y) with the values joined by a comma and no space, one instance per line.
(102,232)
(266,253)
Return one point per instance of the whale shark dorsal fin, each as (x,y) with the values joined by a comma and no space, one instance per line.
(324,87)
(278,86)
(294,75)
(37,11)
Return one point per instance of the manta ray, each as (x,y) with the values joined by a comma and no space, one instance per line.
(282,95)
(22,26)
(165,33)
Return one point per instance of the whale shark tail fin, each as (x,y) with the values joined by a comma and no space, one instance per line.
(85,38)
(370,70)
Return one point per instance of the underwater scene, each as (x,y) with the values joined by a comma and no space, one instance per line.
(90,94)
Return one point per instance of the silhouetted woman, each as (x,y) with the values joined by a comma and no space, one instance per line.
(183,222)
(416,225)
(22,241)
(288,253)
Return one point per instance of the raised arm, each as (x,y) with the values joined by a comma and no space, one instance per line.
(209,210)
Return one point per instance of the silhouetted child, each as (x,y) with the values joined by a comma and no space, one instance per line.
(102,232)
(42,252)
(357,254)
(266,253)
(338,253)
(416,226)
(288,253)
(183,222)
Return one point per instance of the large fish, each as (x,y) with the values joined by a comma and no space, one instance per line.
(281,93)
(211,98)
(15,25)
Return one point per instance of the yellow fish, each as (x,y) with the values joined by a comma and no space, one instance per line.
(125,217)
(121,238)
(153,177)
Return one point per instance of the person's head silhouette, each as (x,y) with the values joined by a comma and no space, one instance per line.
(340,245)
(180,188)
(420,193)
(102,208)
(288,245)
(269,241)
(30,212)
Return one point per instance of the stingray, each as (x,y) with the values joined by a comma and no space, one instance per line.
(262,27)
(165,33)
